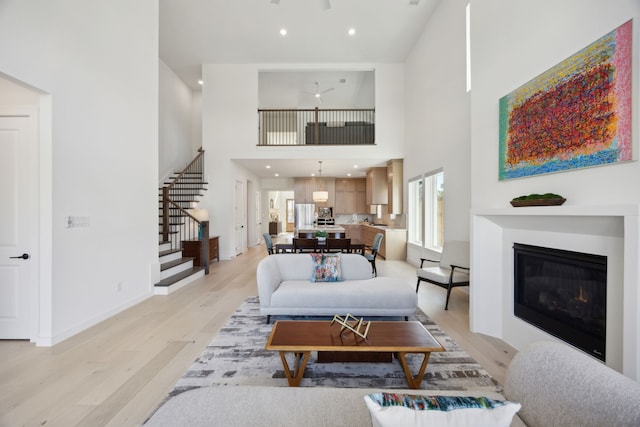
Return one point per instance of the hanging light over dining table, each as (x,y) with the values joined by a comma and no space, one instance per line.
(320,196)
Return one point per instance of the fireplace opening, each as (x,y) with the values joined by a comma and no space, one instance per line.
(563,293)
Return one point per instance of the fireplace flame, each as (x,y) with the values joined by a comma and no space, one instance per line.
(581,297)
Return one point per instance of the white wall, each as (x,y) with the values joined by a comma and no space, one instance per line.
(176,125)
(230,130)
(437,115)
(16,94)
(196,121)
(98,61)
(513,43)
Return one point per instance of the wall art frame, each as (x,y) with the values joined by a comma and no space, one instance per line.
(577,114)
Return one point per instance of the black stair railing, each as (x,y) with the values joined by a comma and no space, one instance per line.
(179,219)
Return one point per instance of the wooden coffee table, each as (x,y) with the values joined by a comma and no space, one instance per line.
(301,337)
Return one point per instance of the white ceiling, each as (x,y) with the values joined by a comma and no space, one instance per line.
(196,32)
(300,168)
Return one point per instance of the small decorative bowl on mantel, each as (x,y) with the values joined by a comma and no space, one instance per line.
(547,199)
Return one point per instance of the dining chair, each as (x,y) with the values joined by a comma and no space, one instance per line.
(338,245)
(375,248)
(305,245)
(268,242)
(452,269)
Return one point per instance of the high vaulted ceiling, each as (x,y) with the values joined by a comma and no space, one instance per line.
(196,32)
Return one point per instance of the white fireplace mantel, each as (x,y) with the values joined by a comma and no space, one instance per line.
(610,230)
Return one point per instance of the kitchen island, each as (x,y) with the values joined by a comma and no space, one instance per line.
(308,230)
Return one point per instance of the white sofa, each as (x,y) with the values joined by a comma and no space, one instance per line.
(556,385)
(285,288)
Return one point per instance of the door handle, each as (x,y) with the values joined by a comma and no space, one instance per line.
(23,256)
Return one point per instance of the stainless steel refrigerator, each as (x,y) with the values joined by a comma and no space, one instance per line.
(305,214)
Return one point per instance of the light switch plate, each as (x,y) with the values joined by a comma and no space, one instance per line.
(76,221)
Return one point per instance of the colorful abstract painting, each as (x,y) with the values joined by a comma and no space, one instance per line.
(575,115)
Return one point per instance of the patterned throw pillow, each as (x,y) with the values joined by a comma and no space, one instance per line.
(326,268)
(391,409)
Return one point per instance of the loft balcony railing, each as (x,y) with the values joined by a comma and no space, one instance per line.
(316,127)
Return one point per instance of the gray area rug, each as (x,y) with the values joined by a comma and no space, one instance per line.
(237,356)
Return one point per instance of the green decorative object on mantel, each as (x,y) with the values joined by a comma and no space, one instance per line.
(547,199)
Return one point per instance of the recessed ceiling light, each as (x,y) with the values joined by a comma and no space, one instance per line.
(352,31)
(355,166)
(276,174)
(200,82)
(268,166)
(348,174)
(283,31)
(313,174)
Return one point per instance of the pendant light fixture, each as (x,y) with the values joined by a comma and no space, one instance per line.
(320,196)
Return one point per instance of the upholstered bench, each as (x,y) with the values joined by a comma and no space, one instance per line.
(285,287)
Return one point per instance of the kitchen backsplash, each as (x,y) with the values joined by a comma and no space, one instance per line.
(398,222)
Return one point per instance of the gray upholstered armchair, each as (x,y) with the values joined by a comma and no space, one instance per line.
(452,269)
(268,242)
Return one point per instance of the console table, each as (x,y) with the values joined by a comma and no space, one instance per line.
(193,248)
(274,228)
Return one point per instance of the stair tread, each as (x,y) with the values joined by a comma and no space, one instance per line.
(175,262)
(187,182)
(168,252)
(177,202)
(179,276)
(191,182)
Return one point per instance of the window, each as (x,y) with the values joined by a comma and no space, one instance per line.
(416,211)
(426,210)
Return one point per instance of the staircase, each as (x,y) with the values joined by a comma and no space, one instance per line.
(179,193)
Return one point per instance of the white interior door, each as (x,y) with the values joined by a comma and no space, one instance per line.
(241,218)
(18,226)
(258,217)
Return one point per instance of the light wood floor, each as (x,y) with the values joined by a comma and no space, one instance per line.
(116,373)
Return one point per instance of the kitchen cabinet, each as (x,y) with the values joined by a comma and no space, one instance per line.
(350,196)
(352,231)
(367,234)
(376,186)
(394,241)
(303,189)
(394,186)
